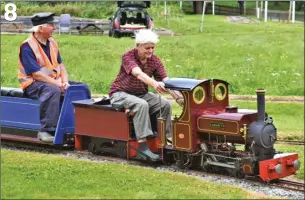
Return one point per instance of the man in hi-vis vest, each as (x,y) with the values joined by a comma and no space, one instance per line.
(42,74)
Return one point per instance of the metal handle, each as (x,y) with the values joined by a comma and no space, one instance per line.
(160,106)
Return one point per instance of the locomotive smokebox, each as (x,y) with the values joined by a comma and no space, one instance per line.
(262,132)
(260,104)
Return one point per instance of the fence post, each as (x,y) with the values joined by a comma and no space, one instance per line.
(262,6)
(165,13)
(257,9)
(202,17)
(289,11)
(245,9)
(213,7)
(293,12)
(266,10)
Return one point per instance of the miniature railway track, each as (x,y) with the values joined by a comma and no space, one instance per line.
(290,185)
(281,183)
(291,142)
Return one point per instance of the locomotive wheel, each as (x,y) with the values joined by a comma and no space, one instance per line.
(91,148)
(183,161)
(236,173)
(123,153)
(240,174)
(168,158)
(207,168)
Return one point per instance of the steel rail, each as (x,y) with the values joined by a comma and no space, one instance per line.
(290,185)
(291,142)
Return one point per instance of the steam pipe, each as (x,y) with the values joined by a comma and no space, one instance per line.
(260,104)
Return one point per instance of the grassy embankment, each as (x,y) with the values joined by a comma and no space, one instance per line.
(27,175)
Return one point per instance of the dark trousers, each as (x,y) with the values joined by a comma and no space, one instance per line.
(49,96)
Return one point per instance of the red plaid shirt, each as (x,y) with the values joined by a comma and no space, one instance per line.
(126,82)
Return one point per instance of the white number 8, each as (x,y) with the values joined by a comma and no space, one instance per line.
(10,15)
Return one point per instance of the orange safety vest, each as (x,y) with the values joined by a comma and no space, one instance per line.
(50,69)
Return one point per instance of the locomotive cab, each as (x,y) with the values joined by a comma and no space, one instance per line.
(207,96)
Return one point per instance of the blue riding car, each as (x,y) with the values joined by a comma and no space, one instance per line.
(20,118)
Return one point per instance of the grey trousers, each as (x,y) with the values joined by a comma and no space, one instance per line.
(143,106)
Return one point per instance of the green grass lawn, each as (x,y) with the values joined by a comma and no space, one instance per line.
(26,175)
(249,56)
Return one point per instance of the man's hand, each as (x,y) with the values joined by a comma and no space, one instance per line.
(59,84)
(65,85)
(180,101)
(159,87)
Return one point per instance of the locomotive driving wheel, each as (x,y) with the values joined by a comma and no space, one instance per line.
(91,148)
(183,160)
(239,174)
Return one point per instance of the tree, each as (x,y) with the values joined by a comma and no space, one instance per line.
(197,7)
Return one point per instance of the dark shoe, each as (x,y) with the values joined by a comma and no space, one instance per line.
(45,137)
(152,136)
(148,154)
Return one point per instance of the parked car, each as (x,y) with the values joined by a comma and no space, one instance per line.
(129,18)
